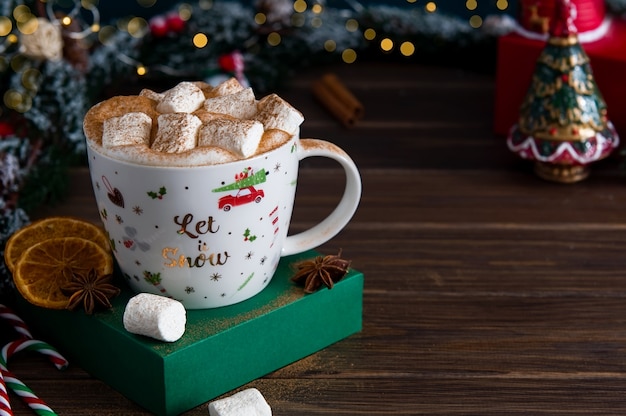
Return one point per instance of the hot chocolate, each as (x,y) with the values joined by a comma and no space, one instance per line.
(192,124)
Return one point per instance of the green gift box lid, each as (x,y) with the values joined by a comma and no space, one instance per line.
(221,349)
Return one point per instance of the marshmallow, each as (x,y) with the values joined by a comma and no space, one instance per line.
(241,137)
(249,402)
(241,104)
(272,139)
(127,129)
(155,316)
(230,86)
(185,97)
(176,133)
(205,116)
(153,95)
(276,113)
(204,86)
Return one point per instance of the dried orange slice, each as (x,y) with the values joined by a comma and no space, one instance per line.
(51,227)
(45,268)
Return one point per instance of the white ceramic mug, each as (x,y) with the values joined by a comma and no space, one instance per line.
(211,236)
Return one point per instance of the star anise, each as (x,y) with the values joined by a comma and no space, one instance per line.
(326,270)
(90,290)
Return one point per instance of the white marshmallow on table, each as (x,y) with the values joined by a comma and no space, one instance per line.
(241,137)
(185,97)
(176,133)
(127,129)
(155,316)
(241,104)
(276,113)
(249,402)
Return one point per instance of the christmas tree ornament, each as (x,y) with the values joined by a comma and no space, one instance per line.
(563,125)
(535,15)
(229,65)
(44,42)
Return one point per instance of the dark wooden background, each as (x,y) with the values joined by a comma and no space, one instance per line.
(488,291)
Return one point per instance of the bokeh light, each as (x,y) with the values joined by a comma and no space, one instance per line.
(299,6)
(19,63)
(184,11)
(407,48)
(200,40)
(352,25)
(430,7)
(31,78)
(21,13)
(137,27)
(476,21)
(260,18)
(330,45)
(386,45)
(205,4)
(29,26)
(105,35)
(316,22)
(471,4)
(12,99)
(369,34)
(348,56)
(298,20)
(6,26)
(88,4)
(274,39)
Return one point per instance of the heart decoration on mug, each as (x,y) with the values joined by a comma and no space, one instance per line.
(114,194)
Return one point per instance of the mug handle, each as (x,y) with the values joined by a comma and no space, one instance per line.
(343,212)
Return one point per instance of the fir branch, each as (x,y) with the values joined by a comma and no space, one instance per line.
(47,181)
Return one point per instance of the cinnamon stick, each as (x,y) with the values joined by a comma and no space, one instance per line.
(343,94)
(338,100)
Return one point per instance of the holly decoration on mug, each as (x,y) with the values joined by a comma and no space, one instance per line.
(159,194)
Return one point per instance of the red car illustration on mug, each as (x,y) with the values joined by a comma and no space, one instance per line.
(243,196)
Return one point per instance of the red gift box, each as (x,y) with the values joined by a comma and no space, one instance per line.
(516,61)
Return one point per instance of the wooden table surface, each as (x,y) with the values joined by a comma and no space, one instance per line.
(488,291)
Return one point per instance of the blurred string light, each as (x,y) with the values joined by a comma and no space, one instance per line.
(23,22)
(305,12)
(407,48)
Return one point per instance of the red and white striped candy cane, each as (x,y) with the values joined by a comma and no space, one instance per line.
(21,389)
(16,322)
(5,406)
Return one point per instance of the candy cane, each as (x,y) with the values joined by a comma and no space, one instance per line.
(16,322)
(20,327)
(5,406)
(21,389)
